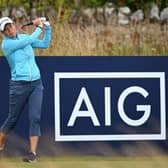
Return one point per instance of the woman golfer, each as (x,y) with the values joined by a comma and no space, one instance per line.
(25,86)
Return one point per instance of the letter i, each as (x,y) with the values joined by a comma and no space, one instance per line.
(107,106)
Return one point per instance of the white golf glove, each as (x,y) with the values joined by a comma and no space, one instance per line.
(46,23)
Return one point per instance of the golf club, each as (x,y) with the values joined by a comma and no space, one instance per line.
(43,19)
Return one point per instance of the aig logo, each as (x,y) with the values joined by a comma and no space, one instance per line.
(105,106)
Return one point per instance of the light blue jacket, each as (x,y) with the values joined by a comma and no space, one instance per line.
(20,55)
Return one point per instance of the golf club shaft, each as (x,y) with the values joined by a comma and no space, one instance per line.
(27,24)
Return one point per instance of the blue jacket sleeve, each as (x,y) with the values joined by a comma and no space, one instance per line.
(12,45)
(45,42)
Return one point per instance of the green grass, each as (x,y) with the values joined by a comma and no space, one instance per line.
(89,162)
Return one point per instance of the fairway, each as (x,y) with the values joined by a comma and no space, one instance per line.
(89,162)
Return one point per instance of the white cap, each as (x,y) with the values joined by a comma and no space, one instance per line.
(4,21)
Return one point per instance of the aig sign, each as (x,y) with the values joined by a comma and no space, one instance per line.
(105,106)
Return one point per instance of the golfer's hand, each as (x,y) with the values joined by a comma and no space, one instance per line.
(37,22)
(46,23)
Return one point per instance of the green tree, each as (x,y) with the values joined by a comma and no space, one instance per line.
(163,4)
(93,3)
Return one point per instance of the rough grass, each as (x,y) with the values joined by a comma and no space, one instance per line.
(113,40)
(89,162)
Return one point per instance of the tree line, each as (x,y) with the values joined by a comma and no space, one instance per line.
(64,6)
(43,4)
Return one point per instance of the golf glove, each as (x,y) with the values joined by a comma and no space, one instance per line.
(46,23)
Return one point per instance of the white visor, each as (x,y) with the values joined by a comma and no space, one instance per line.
(3,22)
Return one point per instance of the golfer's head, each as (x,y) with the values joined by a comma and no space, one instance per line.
(7,27)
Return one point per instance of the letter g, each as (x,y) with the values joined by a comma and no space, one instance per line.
(145,108)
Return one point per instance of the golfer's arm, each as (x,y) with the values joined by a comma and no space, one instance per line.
(45,42)
(14,45)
